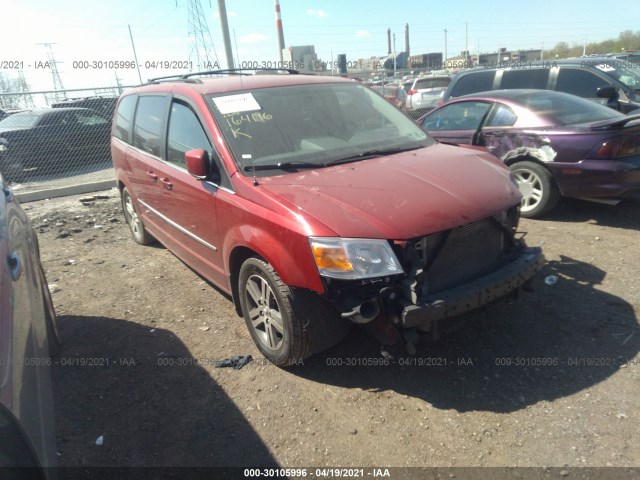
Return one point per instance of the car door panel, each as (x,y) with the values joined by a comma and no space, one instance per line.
(191,232)
(171,193)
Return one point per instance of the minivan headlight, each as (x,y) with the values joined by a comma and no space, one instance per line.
(354,258)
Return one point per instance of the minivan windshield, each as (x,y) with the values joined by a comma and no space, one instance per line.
(309,126)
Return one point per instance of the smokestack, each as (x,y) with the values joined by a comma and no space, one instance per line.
(388,41)
(406,38)
(279,29)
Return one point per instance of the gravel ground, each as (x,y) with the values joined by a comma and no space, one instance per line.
(551,380)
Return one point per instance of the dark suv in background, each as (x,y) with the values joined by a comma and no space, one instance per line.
(105,106)
(609,81)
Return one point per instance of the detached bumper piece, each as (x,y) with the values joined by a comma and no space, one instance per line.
(475,294)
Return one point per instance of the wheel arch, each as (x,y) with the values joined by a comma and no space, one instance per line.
(237,257)
(531,154)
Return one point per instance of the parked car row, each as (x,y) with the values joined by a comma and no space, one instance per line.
(555,143)
(613,82)
(416,95)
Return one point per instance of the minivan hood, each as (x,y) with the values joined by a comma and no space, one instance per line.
(401,196)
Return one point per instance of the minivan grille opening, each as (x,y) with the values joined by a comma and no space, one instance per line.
(469,252)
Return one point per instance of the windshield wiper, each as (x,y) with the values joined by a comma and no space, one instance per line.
(352,158)
(282,166)
(373,154)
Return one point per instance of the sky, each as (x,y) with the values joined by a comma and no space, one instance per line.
(98,31)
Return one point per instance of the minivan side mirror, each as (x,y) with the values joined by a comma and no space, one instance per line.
(197,163)
(200,166)
(607,91)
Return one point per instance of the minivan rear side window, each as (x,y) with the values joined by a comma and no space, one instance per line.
(124,116)
(580,82)
(526,78)
(148,124)
(475,82)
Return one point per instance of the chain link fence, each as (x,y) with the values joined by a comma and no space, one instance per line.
(56,138)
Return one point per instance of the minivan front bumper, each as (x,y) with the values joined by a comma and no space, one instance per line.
(477,293)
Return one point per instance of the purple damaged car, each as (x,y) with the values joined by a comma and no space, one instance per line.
(555,143)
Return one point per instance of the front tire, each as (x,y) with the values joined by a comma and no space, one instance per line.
(267,306)
(539,192)
(138,232)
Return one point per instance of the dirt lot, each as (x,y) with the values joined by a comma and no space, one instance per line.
(550,380)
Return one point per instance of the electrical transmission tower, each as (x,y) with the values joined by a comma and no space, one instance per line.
(59,93)
(201,42)
(23,86)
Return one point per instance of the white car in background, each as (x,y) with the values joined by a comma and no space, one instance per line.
(424,93)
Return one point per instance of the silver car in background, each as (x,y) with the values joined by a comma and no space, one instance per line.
(424,93)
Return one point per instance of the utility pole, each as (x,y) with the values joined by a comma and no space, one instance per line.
(118,84)
(135,55)
(394,55)
(224,24)
(466,43)
(445,49)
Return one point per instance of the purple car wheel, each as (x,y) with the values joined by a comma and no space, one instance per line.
(539,192)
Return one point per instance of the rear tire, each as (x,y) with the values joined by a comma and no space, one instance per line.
(539,191)
(138,232)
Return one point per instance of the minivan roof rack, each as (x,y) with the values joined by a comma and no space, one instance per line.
(186,77)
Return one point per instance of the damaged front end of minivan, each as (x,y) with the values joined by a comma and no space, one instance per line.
(440,277)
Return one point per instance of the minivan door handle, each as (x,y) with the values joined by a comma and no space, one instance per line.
(167,183)
(153,176)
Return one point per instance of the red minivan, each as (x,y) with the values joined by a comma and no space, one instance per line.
(315,204)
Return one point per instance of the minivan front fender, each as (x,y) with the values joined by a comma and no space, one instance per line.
(287,252)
